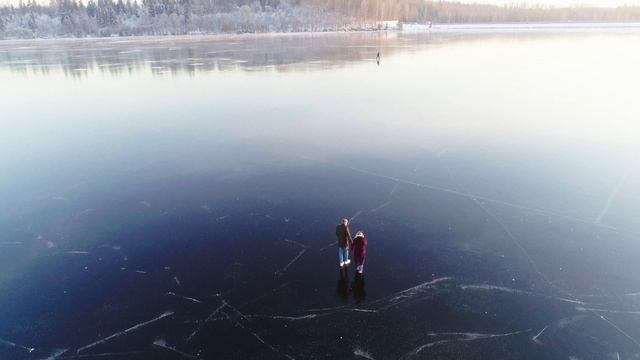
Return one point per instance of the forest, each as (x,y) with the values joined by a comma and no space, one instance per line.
(100,18)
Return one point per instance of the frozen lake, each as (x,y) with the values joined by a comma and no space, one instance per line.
(168,198)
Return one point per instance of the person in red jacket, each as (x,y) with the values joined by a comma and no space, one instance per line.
(359,249)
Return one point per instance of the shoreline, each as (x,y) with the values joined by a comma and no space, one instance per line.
(460,28)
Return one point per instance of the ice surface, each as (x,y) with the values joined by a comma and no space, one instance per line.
(197,211)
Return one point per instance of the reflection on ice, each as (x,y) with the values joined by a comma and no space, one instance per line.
(106,56)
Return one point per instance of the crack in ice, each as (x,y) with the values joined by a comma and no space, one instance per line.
(612,311)
(517,291)
(395,188)
(363,354)
(611,198)
(417,350)
(383,205)
(296,243)
(124,332)
(161,343)
(535,338)
(256,299)
(461,336)
(14,345)
(209,318)
(511,236)
(56,354)
(282,317)
(328,246)
(284,269)
(327,309)
(358,213)
(546,212)
(184,297)
(111,354)
(399,297)
(385,302)
(235,310)
(261,340)
(619,330)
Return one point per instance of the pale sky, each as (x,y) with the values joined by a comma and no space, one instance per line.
(558,3)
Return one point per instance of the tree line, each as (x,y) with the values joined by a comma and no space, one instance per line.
(81,18)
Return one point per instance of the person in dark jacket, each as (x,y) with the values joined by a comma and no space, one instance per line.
(359,248)
(344,242)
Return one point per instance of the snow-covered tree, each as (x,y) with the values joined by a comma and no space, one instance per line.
(3,26)
(92,9)
(142,17)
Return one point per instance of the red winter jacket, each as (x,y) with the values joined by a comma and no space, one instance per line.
(359,248)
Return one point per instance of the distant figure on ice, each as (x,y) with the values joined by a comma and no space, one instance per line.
(344,242)
(378,58)
(359,248)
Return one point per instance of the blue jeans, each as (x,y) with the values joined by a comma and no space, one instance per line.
(343,254)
